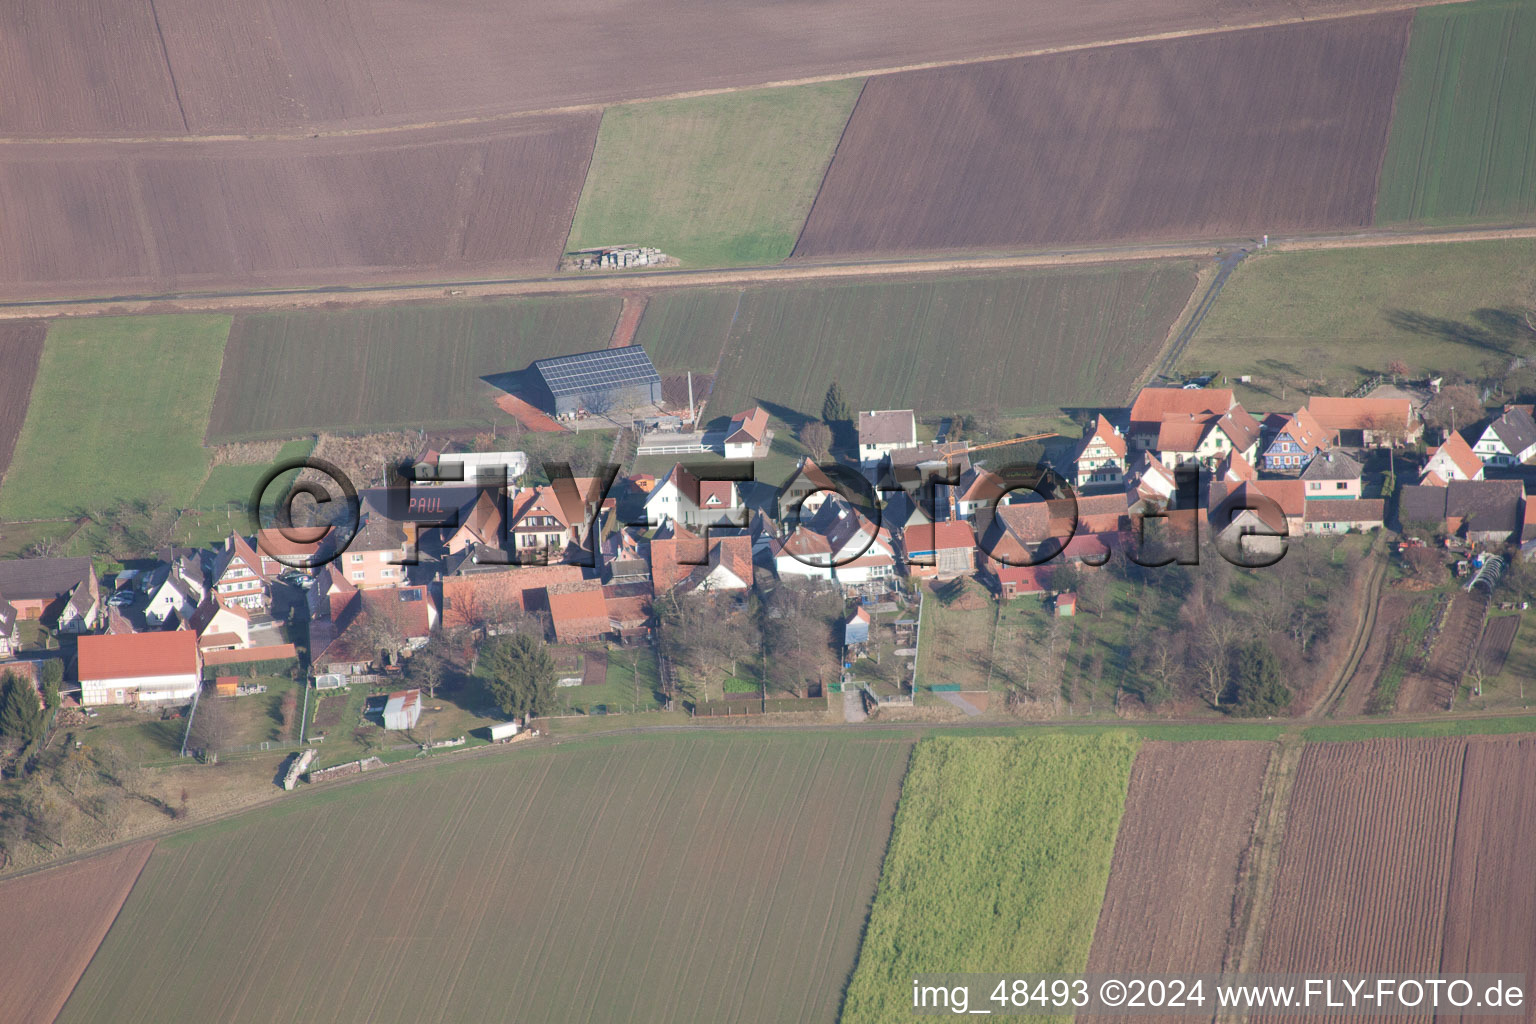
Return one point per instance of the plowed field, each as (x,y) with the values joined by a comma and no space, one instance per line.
(21,348)
(120,218)
(680,878)
(1490,918)
(93,67)
(54,920)
(1243,133)
(1188,818)
(1366,858)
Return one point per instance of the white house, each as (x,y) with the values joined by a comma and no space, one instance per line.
(839,544)
(683,498)
(1509,440)
(882,431)
(126,668)
(1453,460)
(1101,455)
(1186,440)
(747,431)
(220,627)
(172,593)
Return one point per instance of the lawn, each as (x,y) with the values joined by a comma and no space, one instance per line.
(230,485)
(632,683)
(998,862)
(700,877)
(955,635)
(117,412)
(290,374)
(715,181)
(1012,342)
(1463,140)
(1316,321)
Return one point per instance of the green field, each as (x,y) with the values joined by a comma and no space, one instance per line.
(290,374)
(1011,342)
(998,862)
(1463,140)
(117,412)
(678,878)
(1321,320)
(714,180)
(231,485)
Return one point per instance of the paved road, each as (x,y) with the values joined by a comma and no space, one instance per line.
(853,706)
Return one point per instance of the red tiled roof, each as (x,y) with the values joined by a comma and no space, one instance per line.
(1153,405)
(751,425)
(1361,413)
(1460,453)
(577,610)
(137,655)
(463,594)
(946,536)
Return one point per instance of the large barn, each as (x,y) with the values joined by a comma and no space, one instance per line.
(598,383)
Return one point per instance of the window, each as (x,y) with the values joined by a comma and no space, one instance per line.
(387,574)
(356,559)
(359,575)
(1342,485)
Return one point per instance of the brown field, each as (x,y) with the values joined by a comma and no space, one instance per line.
(98,68)
(1391,610)
(138,217)
(1492,652)
(1490,917)
(1366,858)
(54,920)
(1276,129)
(21,348)
(1188,818)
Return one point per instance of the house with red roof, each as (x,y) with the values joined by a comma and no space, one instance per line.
(1154,405)
(682,497)
(1367,421)
(940,550)
(238,578)
(1295,441)
(131,667)
(1453,460)
(747,436)
(578,611)
(1101,455)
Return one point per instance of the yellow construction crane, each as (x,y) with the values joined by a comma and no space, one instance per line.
(1011,440)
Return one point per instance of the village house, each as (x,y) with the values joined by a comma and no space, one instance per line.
(578,611)
(1510,440)
(491,599)
(682,560)
(1296,439)
(1332,475)
(220,627)
(173,593)
(682,497)
(1482,511)
(629,609)
(293,548)
(1251,522)
(237,576)
(1349,515)
(1361,422)
(491,470)
(806,491)
(1149,480)
(369,628)
(1100,457)
(883,431)
(1202,440)
(838,544)
(1154,405)
(746,436)
(940,550)
(133,667)
(480,526)
(1287,495)
(61,593)
(1453,460)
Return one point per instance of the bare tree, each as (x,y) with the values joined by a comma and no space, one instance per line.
(817,438)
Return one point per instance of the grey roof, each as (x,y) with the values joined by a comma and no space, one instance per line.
(1516,429)
(1346,510)
(1331,466)
(33,579)
(1418,503)
(1485,506)
(586,372)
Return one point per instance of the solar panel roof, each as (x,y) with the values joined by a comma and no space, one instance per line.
(593,371)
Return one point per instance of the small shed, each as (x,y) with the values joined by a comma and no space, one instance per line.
(1066,605)
(856,629)
(503,731)
(330,681)
(226,686)
(402,710)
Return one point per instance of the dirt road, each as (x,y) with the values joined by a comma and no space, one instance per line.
(344,295)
